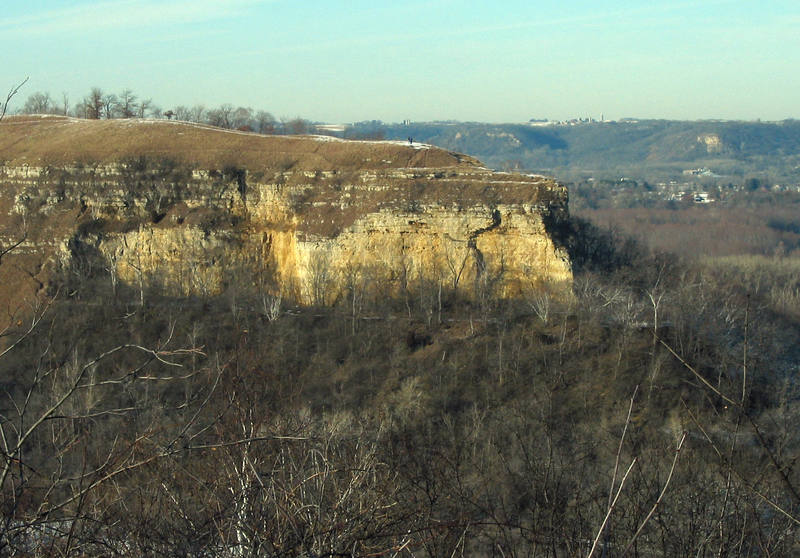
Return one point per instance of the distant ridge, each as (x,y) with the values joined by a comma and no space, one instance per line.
(748,146)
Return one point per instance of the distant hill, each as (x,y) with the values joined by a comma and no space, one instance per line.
(730,147)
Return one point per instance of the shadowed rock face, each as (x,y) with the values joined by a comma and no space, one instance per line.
(195,209)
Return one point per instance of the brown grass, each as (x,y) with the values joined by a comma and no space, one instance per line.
(37,140)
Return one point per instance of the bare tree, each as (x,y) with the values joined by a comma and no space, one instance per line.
(265,122)
(198,113)
(57,458)
(110,106)
(144,106)
(320,278)
(64,103)
(183,113)
(93,104)
(221,117)
(456,255)
(241,118)
(298,126)
(81,109)
(38,103)
(11,93)
(127,104)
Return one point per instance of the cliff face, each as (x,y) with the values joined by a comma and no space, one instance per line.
(195,210)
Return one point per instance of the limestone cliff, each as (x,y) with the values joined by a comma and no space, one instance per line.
(712,142)
(194,209)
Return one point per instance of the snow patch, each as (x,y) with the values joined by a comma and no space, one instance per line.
(414,145)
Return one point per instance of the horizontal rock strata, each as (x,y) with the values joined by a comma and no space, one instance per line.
(195,210)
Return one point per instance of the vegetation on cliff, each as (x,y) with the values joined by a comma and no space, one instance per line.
(239,425)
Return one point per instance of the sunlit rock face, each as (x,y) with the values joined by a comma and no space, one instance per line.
(712,142)
(195,210)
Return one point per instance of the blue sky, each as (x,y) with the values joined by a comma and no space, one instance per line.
(493,61)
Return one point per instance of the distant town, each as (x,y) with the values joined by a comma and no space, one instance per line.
(576,121)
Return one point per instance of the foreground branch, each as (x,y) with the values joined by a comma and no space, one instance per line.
(11,93)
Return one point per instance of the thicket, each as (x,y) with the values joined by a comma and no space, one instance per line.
(100,104)
(651,411)
(710,230)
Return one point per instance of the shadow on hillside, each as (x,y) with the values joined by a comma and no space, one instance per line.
(591,248)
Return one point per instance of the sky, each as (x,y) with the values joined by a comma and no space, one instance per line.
(489,61)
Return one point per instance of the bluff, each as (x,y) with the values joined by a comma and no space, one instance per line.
(192,209)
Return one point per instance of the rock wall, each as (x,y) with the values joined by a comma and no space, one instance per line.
(311,234)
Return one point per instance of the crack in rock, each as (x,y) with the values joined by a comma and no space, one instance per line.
(472,242)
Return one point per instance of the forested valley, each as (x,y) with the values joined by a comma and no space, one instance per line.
(652,411)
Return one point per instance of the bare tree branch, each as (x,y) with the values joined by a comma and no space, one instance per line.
(11,93)
(779,468)
(659,499)
(610,509)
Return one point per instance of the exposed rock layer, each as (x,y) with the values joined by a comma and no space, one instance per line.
(195,210)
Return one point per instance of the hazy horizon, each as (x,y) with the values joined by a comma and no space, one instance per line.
(432,60)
